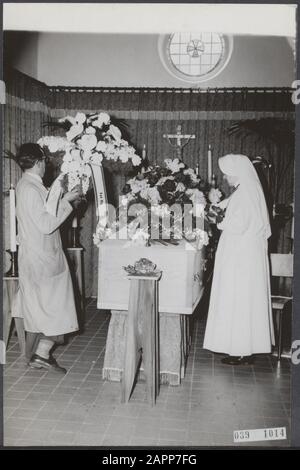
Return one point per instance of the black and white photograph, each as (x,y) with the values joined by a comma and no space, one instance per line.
(148,198)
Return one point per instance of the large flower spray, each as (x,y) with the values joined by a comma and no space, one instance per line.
(89,139)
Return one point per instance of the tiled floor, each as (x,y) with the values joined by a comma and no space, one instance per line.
(43,408)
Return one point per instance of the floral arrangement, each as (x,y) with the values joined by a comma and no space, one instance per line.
(143,267)
(156,191)
(89,139)
(162,186)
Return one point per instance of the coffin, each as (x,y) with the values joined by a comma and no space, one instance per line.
(180,288)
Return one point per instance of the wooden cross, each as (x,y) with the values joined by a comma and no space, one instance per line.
(179,137)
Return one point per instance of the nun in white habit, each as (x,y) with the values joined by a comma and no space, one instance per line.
(239,321)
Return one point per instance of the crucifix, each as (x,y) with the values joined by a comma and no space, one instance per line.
(179,137)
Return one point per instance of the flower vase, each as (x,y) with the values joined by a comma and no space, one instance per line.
(116,182)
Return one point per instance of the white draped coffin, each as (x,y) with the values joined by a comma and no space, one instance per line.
(180,290)
(181,285)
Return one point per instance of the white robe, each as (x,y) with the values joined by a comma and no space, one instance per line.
(239,320)
(45,298)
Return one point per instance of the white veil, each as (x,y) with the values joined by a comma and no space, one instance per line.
(241,167)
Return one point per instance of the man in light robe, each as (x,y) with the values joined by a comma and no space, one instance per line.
(45,298)
(239,321)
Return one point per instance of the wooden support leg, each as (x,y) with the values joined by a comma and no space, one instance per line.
(279,347)
(142,336)
(150,339)
(133,348)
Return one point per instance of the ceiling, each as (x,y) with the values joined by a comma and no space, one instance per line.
(246,19)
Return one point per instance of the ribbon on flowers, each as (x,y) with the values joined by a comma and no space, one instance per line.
(100,193)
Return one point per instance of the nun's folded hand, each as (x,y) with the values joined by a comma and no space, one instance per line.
(223,204)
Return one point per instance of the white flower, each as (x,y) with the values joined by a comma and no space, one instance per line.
(57,144)
(74,131)
(196,196)
(115,132)
(163,179)
(65,168)
(85,183)
(180,187)
(80,118)
(126,198)
(161,210)
(103,118)
(88,142)
(136,160)
(198,210)
(174,165)
(102,232)
(101,146)
(214,195)
(75,155)
(54,144)
(137,185)
(154,195)
(87,171)
(71,119)
(87,154)
(96,158)
(75,167)
(67,158)
(123,155)
(90,130)
(140,237)
(192,175)
(202,238)
(73,180)
(151,194)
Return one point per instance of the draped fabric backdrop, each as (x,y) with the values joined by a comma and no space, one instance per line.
(24,113)
(150,113)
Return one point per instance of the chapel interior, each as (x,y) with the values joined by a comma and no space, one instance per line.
(245,108)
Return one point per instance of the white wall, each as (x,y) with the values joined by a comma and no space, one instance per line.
(133,60)
(21,50)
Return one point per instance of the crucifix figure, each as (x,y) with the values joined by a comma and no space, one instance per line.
(179,137)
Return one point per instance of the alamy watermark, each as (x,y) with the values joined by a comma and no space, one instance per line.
(175,221)
(296,92)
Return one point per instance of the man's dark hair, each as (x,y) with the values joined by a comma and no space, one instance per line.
(28,154)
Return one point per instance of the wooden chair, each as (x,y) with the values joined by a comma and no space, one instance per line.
(281,266)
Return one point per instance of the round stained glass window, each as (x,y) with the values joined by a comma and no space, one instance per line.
(195,56)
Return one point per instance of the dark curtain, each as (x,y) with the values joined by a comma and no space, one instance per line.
(151,113)
(25,112)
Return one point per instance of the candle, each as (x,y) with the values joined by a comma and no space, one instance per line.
(197,170)
(74,222)
(2,92)
(12,213)
(293,220)
(209,164)
(213,181)
(143,158)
